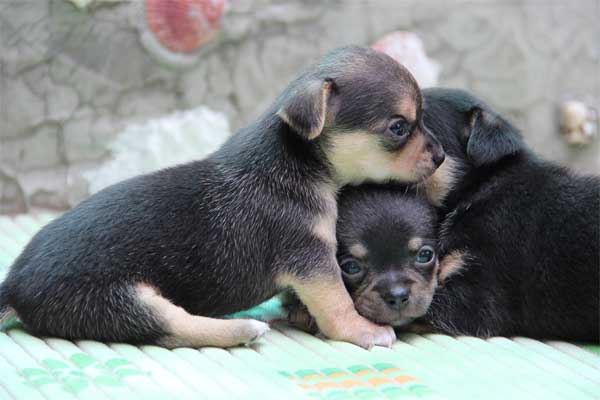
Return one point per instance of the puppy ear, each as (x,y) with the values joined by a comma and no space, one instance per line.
(305,111)
(491,138)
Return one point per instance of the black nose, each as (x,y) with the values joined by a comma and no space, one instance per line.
(397,297)
(438,157)
(435,148)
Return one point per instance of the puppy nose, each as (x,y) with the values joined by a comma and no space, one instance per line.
(438,155)
(435,148)
(397,297)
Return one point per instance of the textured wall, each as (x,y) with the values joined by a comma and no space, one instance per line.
(70,80)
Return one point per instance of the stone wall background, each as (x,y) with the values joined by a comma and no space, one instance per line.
(71,79)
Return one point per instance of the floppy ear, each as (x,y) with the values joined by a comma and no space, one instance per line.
(305,110)
(491,138)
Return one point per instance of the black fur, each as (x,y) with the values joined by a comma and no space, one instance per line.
(530,229)
(211,236)
(384,219)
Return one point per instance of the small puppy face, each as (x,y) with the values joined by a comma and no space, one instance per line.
(473,136)
(387,253)
(365,111)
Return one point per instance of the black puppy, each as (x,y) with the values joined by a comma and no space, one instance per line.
(153,259)
(387,252)
(519,237)
(519,240)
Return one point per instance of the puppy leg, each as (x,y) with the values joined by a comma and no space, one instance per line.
(297,313)
(186,330)
(330,304)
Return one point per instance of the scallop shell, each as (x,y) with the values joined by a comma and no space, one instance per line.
(183,26)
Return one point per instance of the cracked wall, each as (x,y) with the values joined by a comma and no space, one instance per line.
(71,79)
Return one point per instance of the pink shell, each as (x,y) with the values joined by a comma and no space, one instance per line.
(184,25)
(408,49)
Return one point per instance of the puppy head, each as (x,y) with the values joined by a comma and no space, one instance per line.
(364,110)
(472,134)
(387,253)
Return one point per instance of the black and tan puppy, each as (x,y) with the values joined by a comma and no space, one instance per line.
(387,252)
(156,258)
(519,240)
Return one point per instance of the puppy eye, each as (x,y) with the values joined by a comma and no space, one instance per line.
(400,127)
(351,267)
(425,255)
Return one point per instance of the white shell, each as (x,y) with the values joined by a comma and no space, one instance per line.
(579,123)
(176,138)
(81,3)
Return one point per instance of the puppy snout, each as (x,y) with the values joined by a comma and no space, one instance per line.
(435,148)
(437,155)
(397,297)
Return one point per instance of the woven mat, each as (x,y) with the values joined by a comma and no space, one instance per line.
(286,364)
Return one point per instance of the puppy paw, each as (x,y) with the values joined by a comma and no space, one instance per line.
(300,318)
(377,336)
(364,333)
(250,330)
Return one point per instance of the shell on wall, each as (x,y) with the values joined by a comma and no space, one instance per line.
(579,122)
(408,49)
(81,3)
(174,31)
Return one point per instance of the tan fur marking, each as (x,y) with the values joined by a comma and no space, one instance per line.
(438,185)
(325,92)
(188,330)
(415,243)
(324,225)
(358,250)
(330,304)
(452,264)
(328,192)
(408,108)
(358,157)
(324,228)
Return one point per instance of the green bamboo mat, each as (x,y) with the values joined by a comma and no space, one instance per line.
(286,364)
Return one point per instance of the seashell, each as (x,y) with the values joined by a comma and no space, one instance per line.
(408,49)
(81,4)
(579,122)
(183,26)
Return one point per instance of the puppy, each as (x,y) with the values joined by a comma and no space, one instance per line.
(519,239)
(387,253)
(155,259)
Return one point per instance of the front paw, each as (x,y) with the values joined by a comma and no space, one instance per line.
(377,335)
(363,333)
